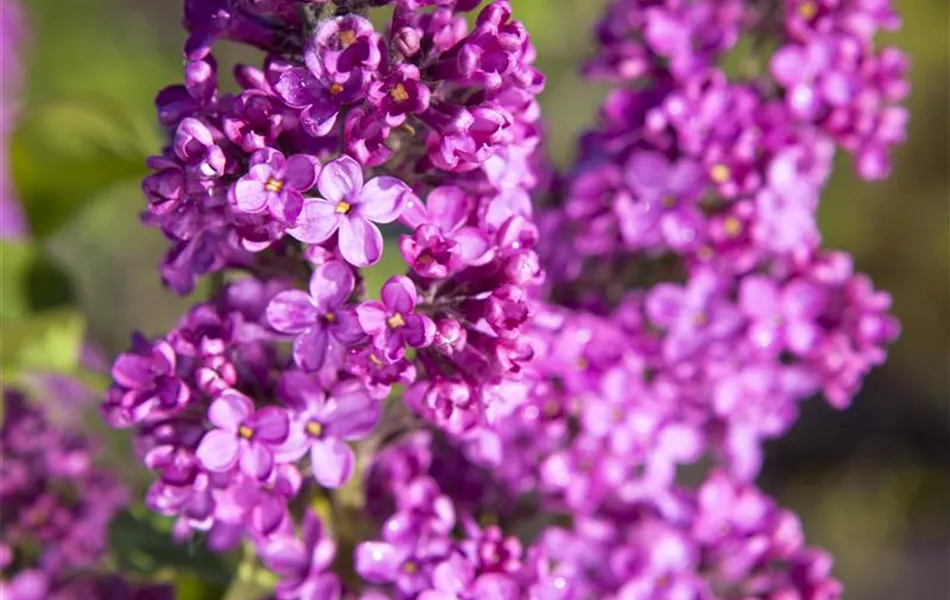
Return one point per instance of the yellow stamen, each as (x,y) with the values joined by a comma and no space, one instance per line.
(705,253)
(701,319)
(375,360)
(399,93)
(314,428)
(343,207)
(669,202)
(720,173)
(274,185)
(552,409)
(330,317)
(396,321)
(733,226)
(336,88)
(245,432)
(807,10)
(582,364)
(410,567)
(347,38)
(617,415)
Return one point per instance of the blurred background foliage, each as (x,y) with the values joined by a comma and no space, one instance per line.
(872,484)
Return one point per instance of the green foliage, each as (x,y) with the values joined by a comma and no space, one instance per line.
(142,544)
(64,153)
(15,261)
(43,341)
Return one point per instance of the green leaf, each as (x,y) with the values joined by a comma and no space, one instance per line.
(47,341)
(63,153)
(144,547)
(15,260)
(48,285)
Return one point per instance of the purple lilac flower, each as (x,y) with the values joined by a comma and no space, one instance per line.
(325,420)
(242,435)
(276,184)
(352,208)
(394,323)
(319,315)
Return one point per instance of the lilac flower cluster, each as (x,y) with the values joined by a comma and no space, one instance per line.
(533,374)
(56,506)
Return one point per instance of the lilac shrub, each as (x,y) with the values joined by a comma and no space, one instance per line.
(510,417)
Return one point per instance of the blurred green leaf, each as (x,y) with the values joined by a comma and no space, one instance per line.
(48,285)
(143,548)
(65,152)
(190,587)
(15,260)
(46,341)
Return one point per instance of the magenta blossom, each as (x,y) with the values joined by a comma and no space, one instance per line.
(352,208)
(276,184)
(393,323)
(242,435)
(325,421)
(319,315)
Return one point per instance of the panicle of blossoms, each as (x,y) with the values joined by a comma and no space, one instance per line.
(56,505)
(12,38)
(281,189)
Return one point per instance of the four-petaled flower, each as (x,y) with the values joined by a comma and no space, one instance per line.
(242,435)
(353,208)
(324,421)
(393,323)
(276,184)
(316,316)
(783,318)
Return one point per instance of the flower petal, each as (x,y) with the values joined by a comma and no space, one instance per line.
(250,195)
(399,294)
(351,412)
(361,243)
(301,172)
(383,199)
(447,207)
(218,451)
(332,462)
(331,285)
(318,220)
(257,460)
(291,311)
(419,331)
(229,410)
(346,329)
(474,245)
(310,348)
(378,562)
(285,555)
(372,317)
(319,118)
(270,424)
(341,179)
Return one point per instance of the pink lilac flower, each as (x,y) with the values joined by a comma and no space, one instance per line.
(351,207)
